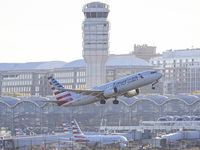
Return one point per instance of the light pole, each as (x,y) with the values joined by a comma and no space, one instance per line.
(2,147)
(119,124)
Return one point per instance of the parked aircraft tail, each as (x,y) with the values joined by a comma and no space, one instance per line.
(78,136)
(67,127)
(19,132)
(75,128)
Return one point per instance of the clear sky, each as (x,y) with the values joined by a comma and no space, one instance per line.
(48,30)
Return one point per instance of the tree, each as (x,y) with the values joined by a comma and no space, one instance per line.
(7,94)
(15,94)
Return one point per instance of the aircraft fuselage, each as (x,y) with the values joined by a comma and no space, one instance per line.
(122,86)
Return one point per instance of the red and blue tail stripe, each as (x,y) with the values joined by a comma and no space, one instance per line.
(56,83)
(61,96)
(77,133)
(75,128)
(52,82)
(67,127)
(19,131)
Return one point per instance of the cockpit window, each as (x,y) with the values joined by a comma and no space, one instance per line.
(153,72)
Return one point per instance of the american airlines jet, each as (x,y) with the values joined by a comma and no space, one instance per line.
(96,140)
(128,87)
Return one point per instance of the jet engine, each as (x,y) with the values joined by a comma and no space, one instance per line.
(132,93)
(110,92)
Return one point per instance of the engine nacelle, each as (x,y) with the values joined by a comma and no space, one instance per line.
(110,92)
(132,93)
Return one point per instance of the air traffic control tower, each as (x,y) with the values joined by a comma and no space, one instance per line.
(95,42)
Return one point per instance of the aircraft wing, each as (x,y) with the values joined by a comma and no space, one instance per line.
(84,92)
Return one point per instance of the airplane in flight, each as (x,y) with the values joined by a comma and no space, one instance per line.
(19,132)
(128,87)
(96,141)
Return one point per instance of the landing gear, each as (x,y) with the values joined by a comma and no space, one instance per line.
(153,87)
(115,102)
(102,101)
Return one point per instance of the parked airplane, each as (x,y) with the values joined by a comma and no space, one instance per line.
(96,140)
(128,87)
(19,132)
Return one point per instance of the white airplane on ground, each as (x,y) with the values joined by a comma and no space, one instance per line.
(95,141)
(128,87)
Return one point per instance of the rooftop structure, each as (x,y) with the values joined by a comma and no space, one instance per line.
(181,53)
(112,61)
(145,52)
(31,66)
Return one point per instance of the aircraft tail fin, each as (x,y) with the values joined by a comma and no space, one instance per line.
(78,136)
(67,127)
(75,128)
(19,132)
(61,96)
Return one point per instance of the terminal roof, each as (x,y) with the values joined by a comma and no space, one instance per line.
(112,61)
(156,99)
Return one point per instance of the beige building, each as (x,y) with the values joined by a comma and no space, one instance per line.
(145,52)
